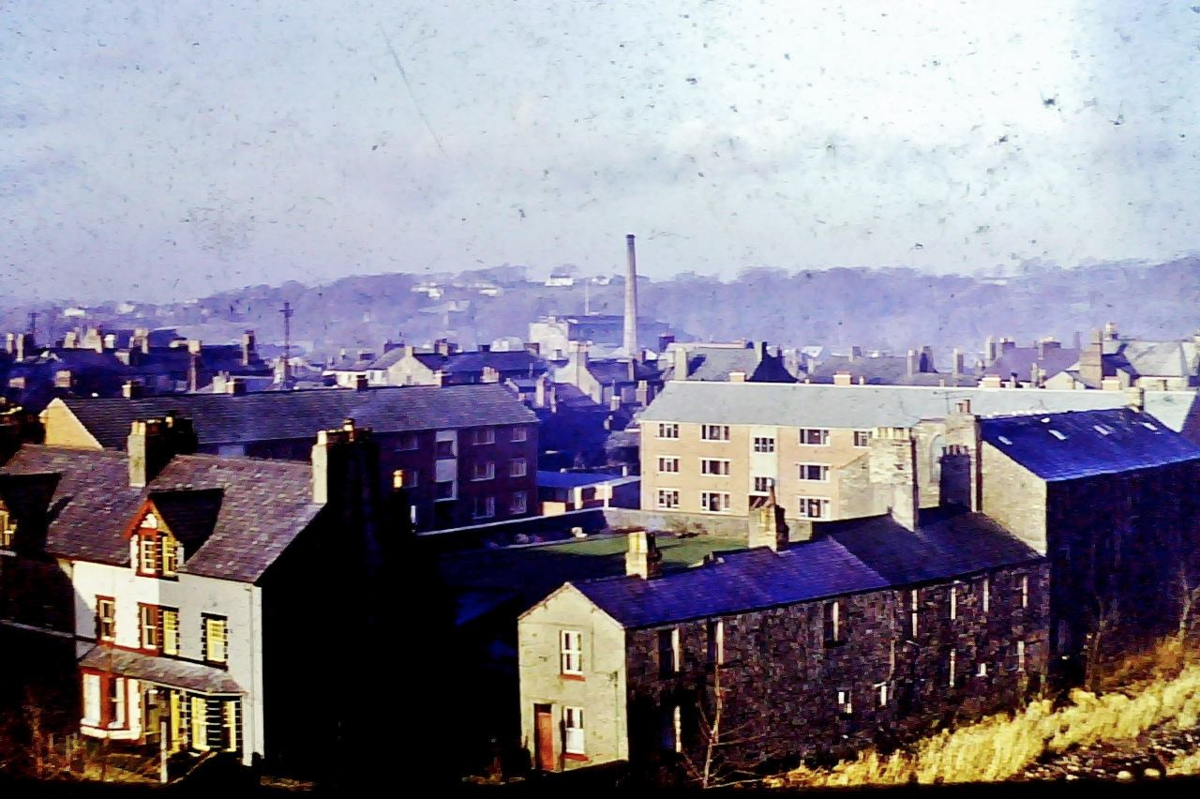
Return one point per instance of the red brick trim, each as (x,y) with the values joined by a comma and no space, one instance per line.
(575,677)
(574,756)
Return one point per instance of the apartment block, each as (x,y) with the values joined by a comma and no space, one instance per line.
(712,448)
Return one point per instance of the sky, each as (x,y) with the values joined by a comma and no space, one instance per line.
(164,151)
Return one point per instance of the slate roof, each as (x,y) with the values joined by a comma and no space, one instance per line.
(715,363)
(1066,446)
(256,508)
(607,371)
(889,370)
(1160,358)
(1021,360)
(290,415)
(163,671)
(737,582)
(810,405)
(843,558)
(520,361)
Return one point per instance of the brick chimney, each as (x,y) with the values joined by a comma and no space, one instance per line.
(680,362)
(855,353)
(642,558)
(667,339)
(843,379)
(345,464)
(927,359)
(1110,383)
(1110,331)
(441,347)
(24,347)
(361,382)
(913,363)
(767,527)
(737,376)
(235,386)
(957,366)
(961,483)
(1036,376)
(249,355)
(990,352)
(762,351)
(630,338)
(150,449)
(1137,398)
(131,390)
(1045,345)
(990,381)
(893,463)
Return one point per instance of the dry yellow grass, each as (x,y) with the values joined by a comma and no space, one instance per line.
(999,747)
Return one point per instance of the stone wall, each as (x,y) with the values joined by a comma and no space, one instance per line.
(781,681)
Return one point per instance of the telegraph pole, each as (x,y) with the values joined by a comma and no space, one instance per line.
(287,341)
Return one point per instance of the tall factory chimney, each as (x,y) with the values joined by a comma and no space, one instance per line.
(631,327)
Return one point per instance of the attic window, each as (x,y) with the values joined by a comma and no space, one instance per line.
(1102,430)
(1058,435)
(1005,440)
(1149,426)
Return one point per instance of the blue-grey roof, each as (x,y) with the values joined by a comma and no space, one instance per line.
(1065,446)
(948,543)
(736,582)
(843,558)
(812,405)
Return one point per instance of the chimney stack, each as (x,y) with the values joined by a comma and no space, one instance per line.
(893,462)
(913,363)
(680,357)
(131,390)
(1091,360)
(10,343)
(149,449)
(927,359)
(957,367)
(361,383)
(248,348)
(1110,383)
(667,339)
(344,464)
(630,341)
(767,525)
(842,379)
(642,558)
(855,354)
(1137,398)
(763,351)
(989,351)
(235,386)
(737,376)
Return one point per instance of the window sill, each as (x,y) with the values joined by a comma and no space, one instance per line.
(575,756)
(573,677)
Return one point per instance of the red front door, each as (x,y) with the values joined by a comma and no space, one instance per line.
(543,737)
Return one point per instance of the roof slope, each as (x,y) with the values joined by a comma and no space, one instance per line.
(843,558)
(949,543)
(716,363)
(810,405)
(263,505)
(736,582)
(1066,446)
(283,415)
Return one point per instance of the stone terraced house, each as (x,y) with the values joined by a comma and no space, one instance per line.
(867,631)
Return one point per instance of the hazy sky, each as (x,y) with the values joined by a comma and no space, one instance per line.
(165,149)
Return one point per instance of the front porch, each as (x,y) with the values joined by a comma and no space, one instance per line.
(161,703)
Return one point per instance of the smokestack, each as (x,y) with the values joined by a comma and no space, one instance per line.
(630,341)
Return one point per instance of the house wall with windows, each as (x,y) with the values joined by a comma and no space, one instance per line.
(194,599)
(797,679)
(553,681)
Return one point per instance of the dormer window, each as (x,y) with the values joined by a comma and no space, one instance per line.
(158,553)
